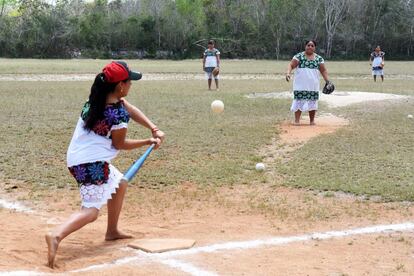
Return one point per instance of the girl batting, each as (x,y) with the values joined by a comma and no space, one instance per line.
(99,135)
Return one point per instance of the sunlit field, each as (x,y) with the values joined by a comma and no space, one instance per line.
(372,156)
(79,66)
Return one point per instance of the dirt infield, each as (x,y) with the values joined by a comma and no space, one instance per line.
(219,221)
(216,216)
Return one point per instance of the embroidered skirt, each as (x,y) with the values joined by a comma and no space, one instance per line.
(97,182)
(305,101)
(377,71)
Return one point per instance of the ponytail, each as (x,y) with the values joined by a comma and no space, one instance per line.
(97,100)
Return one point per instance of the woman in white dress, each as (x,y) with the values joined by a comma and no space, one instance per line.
(306,87)
(211,60)
(377,62)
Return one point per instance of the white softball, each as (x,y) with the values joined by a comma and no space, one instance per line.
(409,116)
(260,167)
(217,106)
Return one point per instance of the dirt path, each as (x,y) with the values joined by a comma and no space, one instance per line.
(173,76)
(338,98)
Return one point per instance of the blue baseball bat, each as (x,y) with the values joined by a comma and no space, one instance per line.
(132,171)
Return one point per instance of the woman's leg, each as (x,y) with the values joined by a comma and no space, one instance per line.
(209,84)
(75,222)
(312,114)
(114,209)
(297,116)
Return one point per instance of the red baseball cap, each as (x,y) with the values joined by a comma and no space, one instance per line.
(117,71)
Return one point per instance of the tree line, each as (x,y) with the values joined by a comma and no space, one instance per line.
(343,29)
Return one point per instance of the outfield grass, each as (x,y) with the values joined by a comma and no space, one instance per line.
(201,147)
(372,156)
(82,66)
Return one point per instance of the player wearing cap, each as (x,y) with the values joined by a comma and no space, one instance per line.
(99,135)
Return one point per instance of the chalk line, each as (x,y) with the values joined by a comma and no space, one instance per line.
(186,267)
(15,206)
(167,258)
(243,245)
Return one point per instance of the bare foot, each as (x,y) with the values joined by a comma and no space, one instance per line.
(52,245)
(118,235)
(296,123)
(312,123)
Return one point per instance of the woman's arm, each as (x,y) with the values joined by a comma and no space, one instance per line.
(139,117)
(218,60)
(324,72)
(292,65)
(120,142)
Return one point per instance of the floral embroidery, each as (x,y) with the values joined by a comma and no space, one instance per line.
(101,128)
(311,64)
(95,173)
(111,115)
(85,110)
(306,95)
(123,115)
(379,54)
(79,173)
(114,114)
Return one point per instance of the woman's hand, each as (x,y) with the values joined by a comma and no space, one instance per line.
(157,133)
(155,141)
(287,77)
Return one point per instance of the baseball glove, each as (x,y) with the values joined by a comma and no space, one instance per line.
(328,88)
(216,71)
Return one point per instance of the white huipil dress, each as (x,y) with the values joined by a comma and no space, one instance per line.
(306,83)
(377,58)
(90,153)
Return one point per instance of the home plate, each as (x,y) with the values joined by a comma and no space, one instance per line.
(161,245)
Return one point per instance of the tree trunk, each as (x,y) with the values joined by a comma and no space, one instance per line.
(334,14)
(277,47)
(3,3)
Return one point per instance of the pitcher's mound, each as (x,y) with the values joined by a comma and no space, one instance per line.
(161,245)
(325,123)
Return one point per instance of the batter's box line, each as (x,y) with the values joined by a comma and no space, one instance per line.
(167,258)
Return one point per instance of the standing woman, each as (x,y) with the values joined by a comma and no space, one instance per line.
(211,62)
(306,81)
(376,60)
(99,136)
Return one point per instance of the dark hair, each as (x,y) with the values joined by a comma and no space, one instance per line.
(311,40)
(211,42)
(97,100)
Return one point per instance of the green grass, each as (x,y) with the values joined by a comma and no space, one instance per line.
(201,147)
(373,156)
(92,66)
